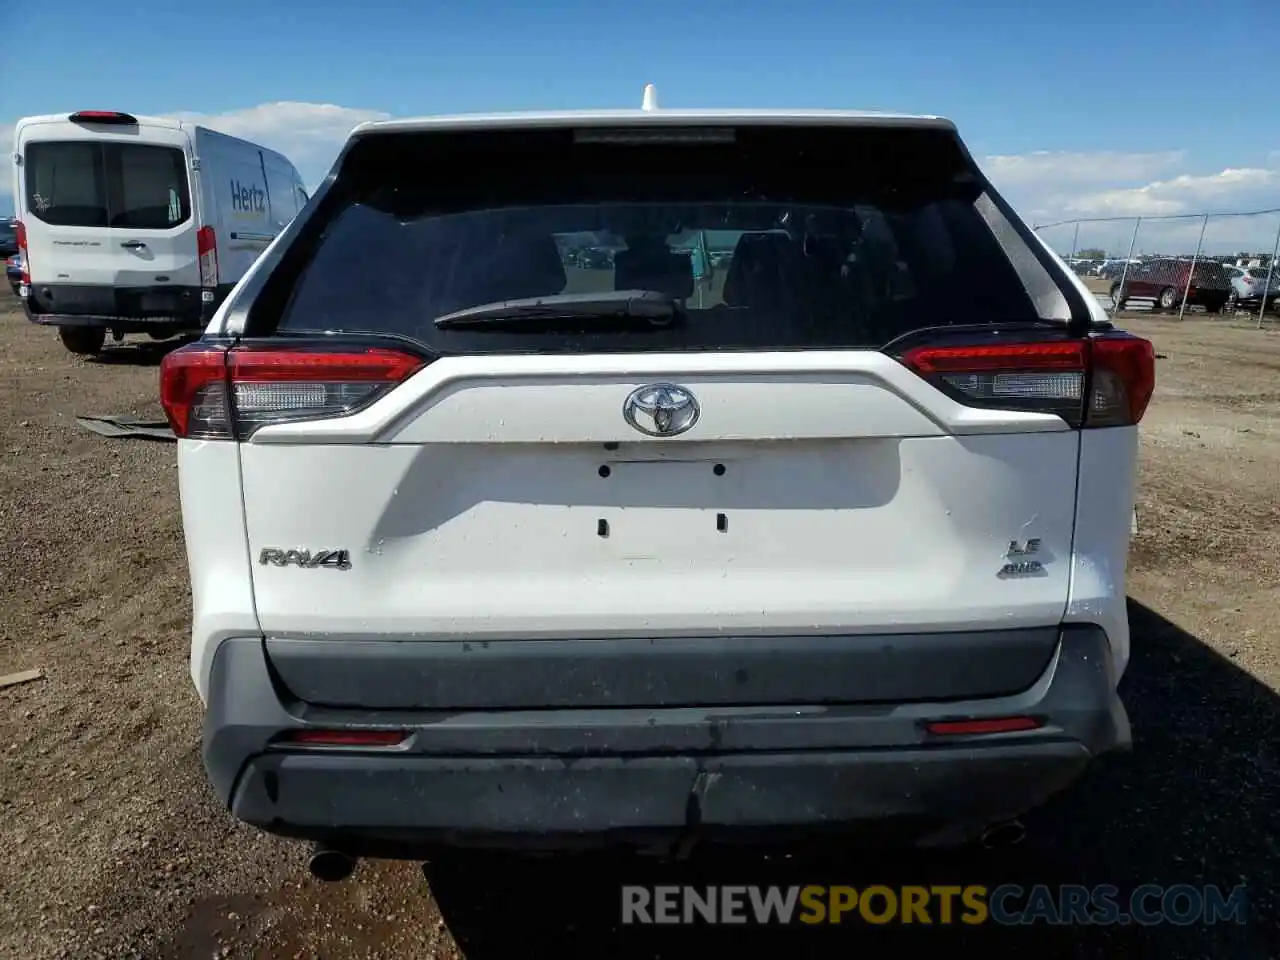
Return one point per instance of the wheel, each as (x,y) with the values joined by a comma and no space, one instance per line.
(1215,306)
(1118,300)
(1168,297)
(84,341)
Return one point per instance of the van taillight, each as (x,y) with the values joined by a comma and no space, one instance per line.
(212,392)
(104,116)
(1102,381)
(207,251)
(20,231)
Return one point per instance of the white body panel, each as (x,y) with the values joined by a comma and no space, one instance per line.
(1105,522)
(857,497)
(217,558)
(251,194)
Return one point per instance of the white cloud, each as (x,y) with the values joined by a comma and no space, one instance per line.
(1044,166)
(309,134)
(1231,189)
(1049,187)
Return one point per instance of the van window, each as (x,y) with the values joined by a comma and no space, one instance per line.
(97,184)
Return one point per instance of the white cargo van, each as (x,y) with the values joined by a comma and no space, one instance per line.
(140,225)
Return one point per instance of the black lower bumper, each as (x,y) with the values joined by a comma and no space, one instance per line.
(559,778)
(123,309)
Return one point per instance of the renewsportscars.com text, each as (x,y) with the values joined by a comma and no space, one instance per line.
(1064,905)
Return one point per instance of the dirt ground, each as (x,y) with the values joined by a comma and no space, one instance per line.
(113,846)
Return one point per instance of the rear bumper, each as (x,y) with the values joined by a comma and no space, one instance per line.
(127,309)
(587,777)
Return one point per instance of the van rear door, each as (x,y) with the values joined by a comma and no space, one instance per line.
(106,205)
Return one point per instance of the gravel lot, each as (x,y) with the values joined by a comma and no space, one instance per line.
(114,846)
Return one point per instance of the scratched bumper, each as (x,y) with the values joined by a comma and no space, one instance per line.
(563,778)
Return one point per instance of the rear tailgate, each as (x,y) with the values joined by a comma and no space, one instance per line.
(823,489)
(818,492)
(108,208)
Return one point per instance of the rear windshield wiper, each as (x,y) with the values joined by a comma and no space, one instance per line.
(652,306)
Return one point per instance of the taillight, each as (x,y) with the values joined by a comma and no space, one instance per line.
(983,726)
(207,252)
(20,230)
(1114,373)
(104,116)
(310,737)
(1124,377)
(214,393)
(193,391)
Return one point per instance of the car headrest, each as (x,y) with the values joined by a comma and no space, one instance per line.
(524,266)
(762,270)
(654,269)
(482,271)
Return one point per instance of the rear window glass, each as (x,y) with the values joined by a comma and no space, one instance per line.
(1210,270)
(101,184)
(782,239)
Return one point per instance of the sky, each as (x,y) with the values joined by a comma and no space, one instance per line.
(1073,109)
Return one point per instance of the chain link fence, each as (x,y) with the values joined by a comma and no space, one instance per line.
(1224,264)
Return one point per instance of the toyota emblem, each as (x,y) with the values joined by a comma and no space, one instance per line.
(661,409)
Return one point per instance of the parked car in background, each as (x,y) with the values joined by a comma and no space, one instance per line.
(13,271)
(1249,285)
(8,238)
(1165,281)
(595,258)
(1113,269)
(123,231)
(617,603)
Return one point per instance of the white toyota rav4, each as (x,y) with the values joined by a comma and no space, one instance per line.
(519,517)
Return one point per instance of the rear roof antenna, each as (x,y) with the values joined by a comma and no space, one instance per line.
(650,101)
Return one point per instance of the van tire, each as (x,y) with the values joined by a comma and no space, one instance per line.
(83,341)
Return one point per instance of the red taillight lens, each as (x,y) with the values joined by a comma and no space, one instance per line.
(1116,372)
(103,116)
(207,254)
(216,394)
(193,391)
(977,727)
(1040,377)
(20,231)
(1124,378)
(346,738)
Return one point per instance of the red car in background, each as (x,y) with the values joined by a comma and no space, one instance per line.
(1165,282)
